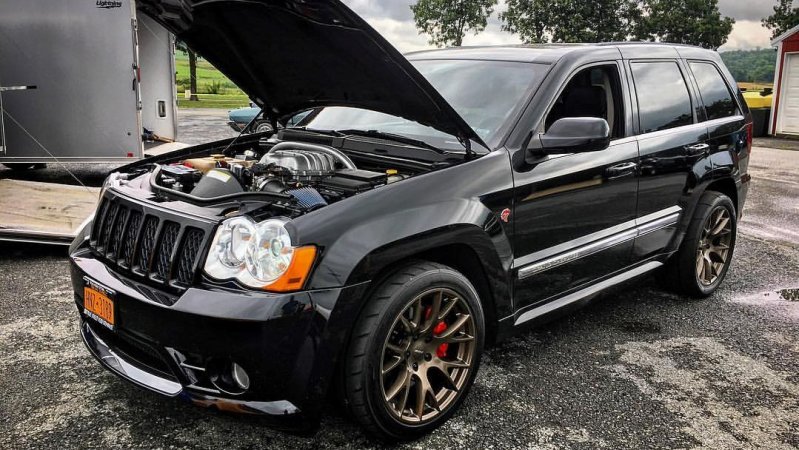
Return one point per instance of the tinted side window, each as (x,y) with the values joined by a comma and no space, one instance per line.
(715,94)
(663,99)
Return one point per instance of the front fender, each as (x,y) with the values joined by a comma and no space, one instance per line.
(365,249)
(359,237)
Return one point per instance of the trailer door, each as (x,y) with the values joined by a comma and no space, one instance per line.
(81,58)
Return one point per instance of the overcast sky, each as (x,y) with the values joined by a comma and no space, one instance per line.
(394,20)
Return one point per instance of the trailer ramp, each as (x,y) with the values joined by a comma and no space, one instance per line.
(49,213)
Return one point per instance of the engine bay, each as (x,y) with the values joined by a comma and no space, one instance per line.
(299,176)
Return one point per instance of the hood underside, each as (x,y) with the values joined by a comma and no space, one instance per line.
(292,55)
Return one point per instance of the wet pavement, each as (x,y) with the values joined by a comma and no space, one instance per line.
(637,368)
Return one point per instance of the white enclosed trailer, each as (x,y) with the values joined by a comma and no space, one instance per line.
(79,82)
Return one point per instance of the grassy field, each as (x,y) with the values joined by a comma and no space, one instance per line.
(214,89)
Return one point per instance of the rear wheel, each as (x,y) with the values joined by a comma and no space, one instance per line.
(700,265)
(415,352)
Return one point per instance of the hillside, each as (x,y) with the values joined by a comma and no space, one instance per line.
(751,65)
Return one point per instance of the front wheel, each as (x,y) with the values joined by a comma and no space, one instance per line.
(704,257)
(415,352)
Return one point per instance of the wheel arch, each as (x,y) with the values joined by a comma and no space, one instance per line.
(727,187)
(466,248)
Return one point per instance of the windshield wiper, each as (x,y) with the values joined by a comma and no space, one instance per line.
(390,137)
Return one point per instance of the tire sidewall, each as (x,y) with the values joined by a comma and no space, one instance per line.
(444,278)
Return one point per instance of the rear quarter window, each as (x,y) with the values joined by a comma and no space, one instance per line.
(663,98)
(714,91)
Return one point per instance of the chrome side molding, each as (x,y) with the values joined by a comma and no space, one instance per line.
(638,227)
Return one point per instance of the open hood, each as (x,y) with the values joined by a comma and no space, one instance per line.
(291,55)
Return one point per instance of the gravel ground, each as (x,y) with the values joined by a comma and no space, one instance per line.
(638,368)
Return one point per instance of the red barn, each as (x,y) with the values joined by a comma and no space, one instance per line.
(785,102)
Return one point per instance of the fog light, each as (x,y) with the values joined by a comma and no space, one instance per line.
(228,376)
(240,377)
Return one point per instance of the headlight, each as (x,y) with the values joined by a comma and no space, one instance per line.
(259,255)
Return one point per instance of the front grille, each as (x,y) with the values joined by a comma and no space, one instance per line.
(153,245)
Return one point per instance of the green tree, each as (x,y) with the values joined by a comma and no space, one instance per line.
(784,18)
(695,22)
(180,45)
(537,21)
(447,21)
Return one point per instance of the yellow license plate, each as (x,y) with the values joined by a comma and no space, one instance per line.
(98,306)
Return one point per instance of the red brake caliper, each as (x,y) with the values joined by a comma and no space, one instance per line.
(441,350)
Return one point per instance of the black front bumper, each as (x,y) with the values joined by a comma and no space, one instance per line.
(285,342)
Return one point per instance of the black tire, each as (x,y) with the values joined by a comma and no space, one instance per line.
(682,271)
(362,379)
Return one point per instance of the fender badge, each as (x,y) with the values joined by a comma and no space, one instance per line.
(505,215)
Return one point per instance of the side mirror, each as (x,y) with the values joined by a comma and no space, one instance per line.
(576,135)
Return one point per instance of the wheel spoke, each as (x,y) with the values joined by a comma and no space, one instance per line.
(417,314)
(388,367)
(706,275)
(397,349)
(421,394)
(430,322)
(720,225)
(407,391)
(700,265)
(433,400)
(406,323)
(449,383)
(458,339)
(715,256)
(455,326)
(448,308)
(395,388)
(457,364)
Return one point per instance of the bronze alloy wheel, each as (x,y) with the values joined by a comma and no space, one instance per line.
(427,356)
(713,250)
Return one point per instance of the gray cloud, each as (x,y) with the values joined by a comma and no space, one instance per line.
(746,9)
(382,9)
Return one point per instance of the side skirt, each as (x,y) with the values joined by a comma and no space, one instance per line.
(586,292)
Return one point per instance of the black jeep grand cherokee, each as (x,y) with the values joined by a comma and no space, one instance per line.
(425,207)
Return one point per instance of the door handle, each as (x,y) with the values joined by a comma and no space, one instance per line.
(620,170)
(697,149)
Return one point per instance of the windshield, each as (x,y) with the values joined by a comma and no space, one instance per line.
(484,93)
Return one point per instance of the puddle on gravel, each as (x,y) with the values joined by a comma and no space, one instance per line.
(792,295)
(784,301)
